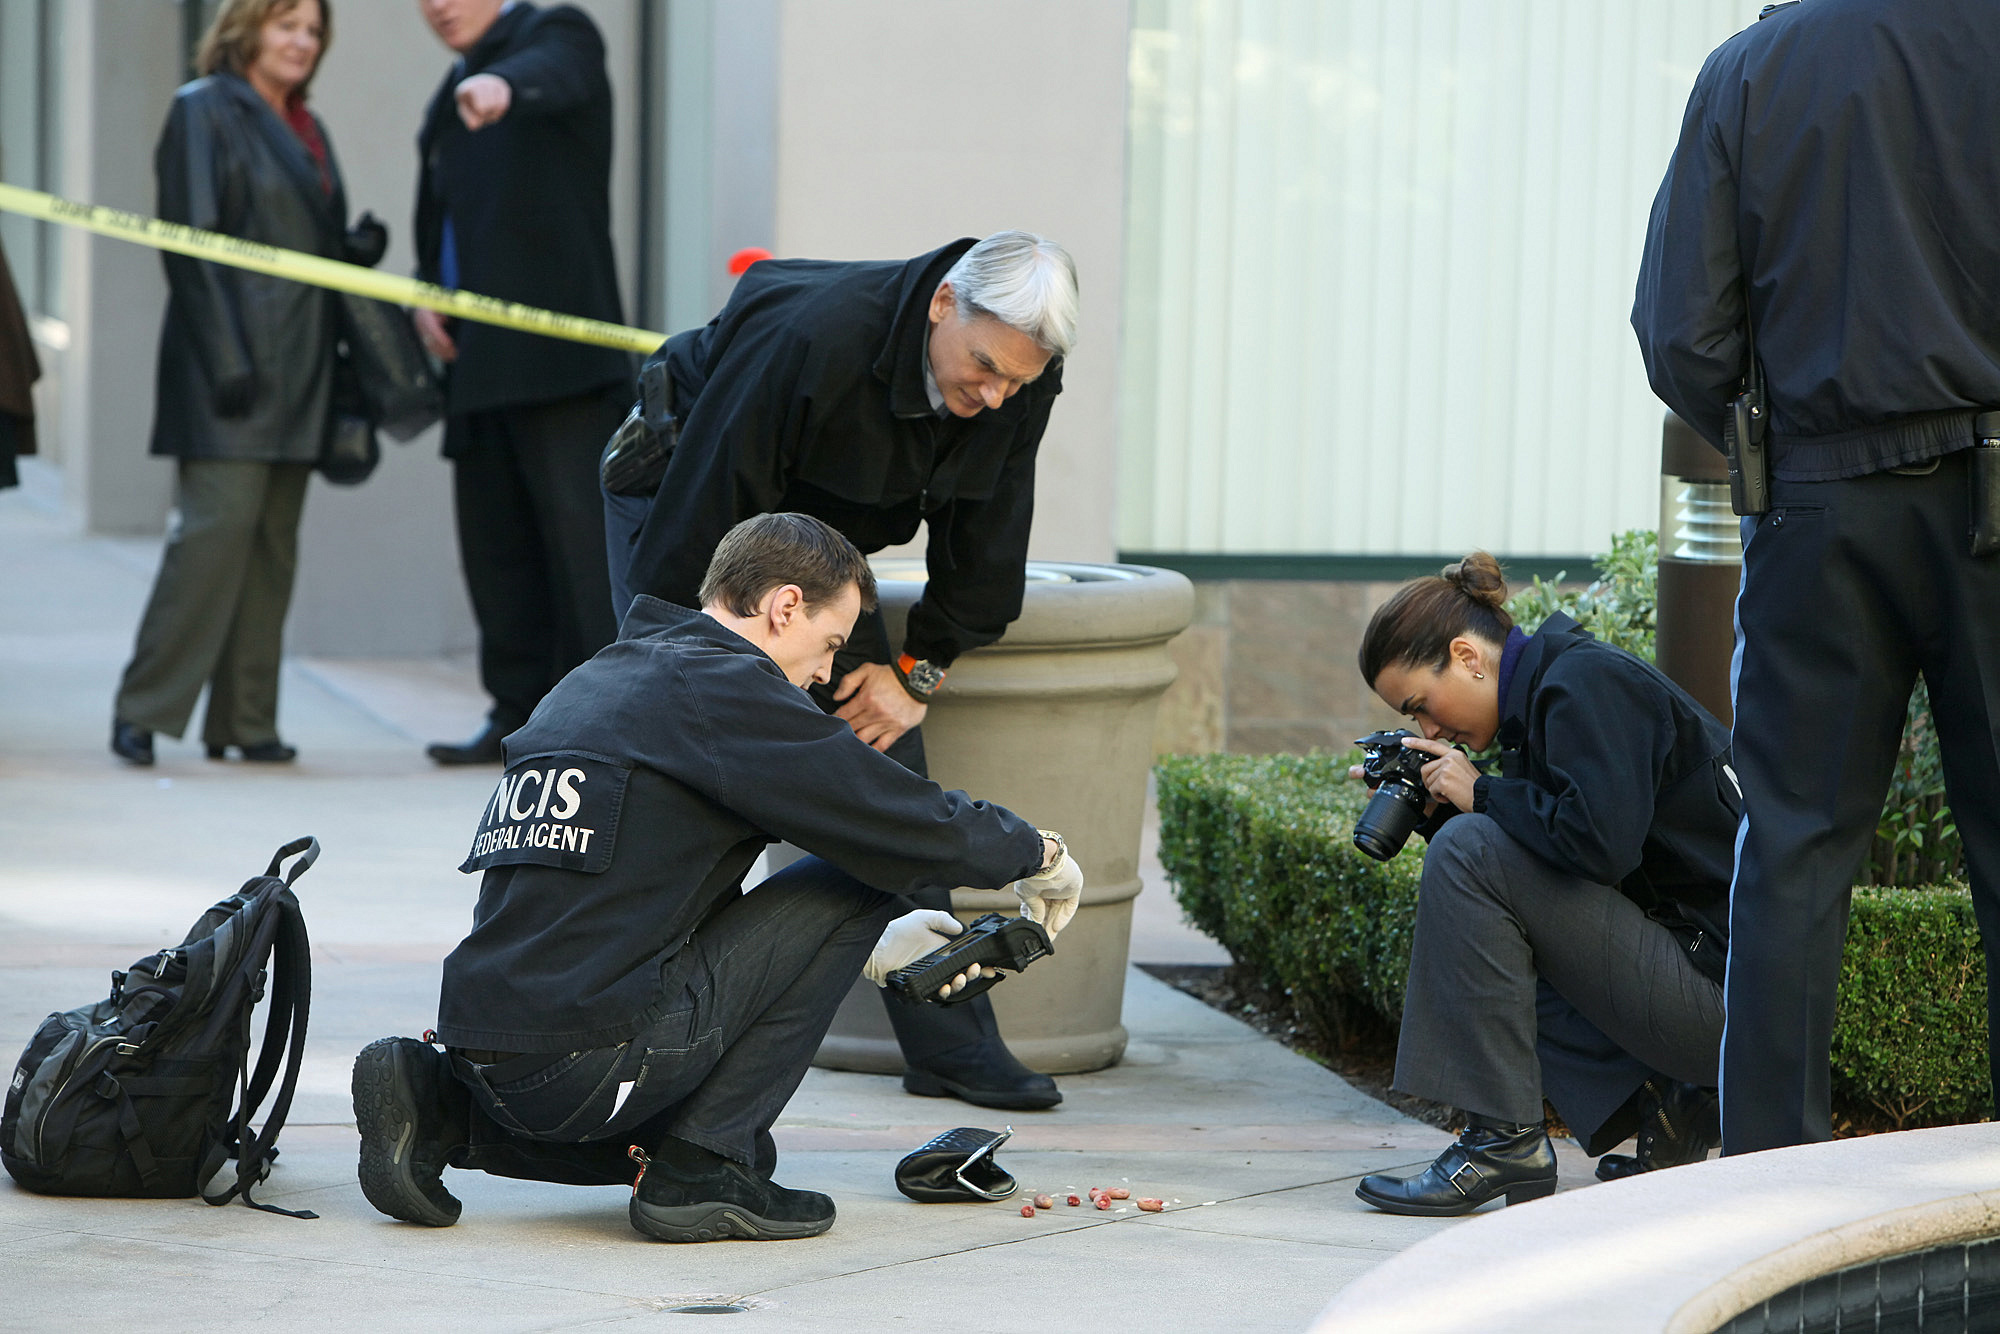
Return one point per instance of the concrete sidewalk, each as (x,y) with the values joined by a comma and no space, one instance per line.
(1256,1147)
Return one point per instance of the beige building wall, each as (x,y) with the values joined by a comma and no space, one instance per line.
(903,125)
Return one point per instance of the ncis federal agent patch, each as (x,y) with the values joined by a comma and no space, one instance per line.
(552,810)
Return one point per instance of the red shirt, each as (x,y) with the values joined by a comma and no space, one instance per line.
(307,129)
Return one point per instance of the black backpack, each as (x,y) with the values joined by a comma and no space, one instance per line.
(132,1096)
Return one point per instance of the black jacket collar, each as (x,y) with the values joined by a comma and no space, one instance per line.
(1557,635)
(650,617)
(900,364)
(496,39)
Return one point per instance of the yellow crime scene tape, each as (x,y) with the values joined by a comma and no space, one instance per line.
(322,272)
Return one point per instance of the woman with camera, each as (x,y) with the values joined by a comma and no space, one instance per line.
(1572,918)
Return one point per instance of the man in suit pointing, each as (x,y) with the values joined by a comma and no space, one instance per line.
(513,201)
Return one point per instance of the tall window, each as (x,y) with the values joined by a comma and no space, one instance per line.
(1380,259)
(31,142)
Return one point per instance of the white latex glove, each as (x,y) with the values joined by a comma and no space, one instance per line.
(908,939)
(1051,897)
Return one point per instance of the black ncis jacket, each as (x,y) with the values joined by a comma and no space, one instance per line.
(807,394)
(637,797)
(1836,168)
(226,163)
(1610,771)
(529,198)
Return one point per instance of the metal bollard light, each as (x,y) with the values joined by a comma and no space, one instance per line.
(1701,566)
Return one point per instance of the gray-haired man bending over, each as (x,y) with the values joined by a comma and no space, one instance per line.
(619,991)
(875,396)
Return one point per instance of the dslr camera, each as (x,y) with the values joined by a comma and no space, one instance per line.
(1397,775)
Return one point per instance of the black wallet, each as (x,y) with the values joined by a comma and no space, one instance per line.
(957,1167)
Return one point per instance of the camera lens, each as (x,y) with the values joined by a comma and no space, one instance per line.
(1393,813)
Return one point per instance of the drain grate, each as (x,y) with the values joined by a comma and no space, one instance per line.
(706,1303)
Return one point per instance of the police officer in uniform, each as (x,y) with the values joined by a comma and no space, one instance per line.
(875,396)
(1833,203)
(619,991)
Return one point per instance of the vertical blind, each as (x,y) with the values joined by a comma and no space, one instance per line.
(1380,262)
(31,143)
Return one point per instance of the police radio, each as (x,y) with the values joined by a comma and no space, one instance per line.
(1743,432)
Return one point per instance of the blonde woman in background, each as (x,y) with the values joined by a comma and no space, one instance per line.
(245,380)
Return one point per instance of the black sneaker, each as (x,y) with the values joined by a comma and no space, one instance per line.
(1678,1124)
(719,1200)
(407,1107)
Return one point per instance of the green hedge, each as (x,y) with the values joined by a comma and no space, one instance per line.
(1260,852)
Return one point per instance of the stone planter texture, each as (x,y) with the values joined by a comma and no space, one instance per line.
(1055,722)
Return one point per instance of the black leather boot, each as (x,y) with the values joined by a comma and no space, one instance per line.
(1491,1158)
(481,749)
(983,1073)
(1678,1124)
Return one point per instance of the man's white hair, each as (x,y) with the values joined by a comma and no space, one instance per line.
(1025,281)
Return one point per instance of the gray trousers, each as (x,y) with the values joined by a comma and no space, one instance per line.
(1508,948)
(217,613)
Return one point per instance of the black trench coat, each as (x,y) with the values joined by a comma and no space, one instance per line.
(227,163)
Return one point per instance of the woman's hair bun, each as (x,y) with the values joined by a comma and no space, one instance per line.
(1478,577)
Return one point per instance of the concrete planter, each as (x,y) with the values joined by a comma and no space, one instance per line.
(1054,722)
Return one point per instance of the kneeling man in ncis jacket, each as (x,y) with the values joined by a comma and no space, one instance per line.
(620,992)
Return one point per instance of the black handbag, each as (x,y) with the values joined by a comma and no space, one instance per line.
(350,451)
(398,391)
(957,1168)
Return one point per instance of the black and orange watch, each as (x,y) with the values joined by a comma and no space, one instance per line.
(920,678)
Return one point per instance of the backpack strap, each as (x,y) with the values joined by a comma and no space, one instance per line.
(282,931)
(111,1090)
(308,845)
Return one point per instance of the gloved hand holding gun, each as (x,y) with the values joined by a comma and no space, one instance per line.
(909,938)
(1048,898)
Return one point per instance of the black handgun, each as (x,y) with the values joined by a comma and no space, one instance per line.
(991,941)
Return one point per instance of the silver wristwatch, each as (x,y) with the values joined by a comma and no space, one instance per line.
(1062,851)
(920,677)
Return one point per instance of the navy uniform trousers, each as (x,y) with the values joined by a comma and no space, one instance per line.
(1850,589)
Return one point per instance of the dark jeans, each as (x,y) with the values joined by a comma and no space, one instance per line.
(531,539)
(1526,981)
(1850,589)
(746,1002)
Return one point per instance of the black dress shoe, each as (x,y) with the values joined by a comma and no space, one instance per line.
(1678,1124)
(263,752)
(1489,1160)
(482,749)
(687,1193)
(985,1074)
(132,744)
